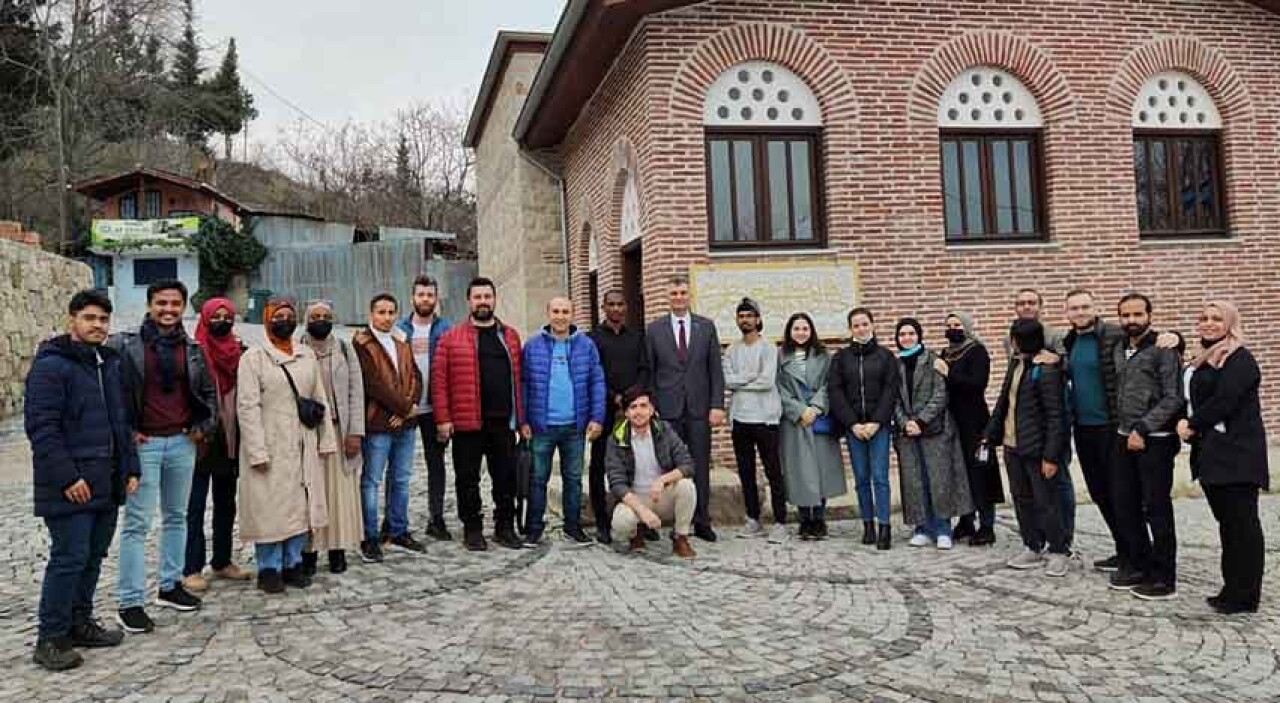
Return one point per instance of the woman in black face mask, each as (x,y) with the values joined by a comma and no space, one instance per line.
(283,449)
(967,365)
(344,396)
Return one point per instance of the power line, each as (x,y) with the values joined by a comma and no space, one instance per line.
(282,98)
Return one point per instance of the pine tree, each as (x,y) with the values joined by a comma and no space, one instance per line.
(23,89)
(232,104)
(188,98)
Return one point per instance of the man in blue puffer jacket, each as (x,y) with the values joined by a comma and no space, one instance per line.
(84,463)
(564,394)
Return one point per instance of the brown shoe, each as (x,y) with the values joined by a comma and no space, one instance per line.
(638,543)
(680,545)
(232,572)
(195,583)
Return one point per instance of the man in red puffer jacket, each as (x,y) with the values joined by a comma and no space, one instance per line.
(475,392)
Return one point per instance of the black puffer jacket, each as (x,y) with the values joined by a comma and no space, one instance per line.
(1039,414)
(863,384)
(1149,394)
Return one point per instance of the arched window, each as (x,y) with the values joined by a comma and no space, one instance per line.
(1177,158)
(990,129)
(630,225)
(764,138)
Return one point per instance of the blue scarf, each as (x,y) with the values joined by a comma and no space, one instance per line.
(910,351)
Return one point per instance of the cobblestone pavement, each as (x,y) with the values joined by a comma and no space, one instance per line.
(746,621)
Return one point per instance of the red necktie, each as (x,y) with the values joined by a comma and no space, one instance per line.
(682,342)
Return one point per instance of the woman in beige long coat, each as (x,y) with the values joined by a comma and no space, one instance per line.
(282,485)
(344,395)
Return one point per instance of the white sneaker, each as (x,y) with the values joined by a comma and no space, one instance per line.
(944,543)
(1026,559)
(1058,565)
(752,528)
(778,534)
(919,540)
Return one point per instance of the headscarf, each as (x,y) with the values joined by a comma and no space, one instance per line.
(269,311)
(955,350)
(322,347)
(915,324)
(222,353)
(1217,353)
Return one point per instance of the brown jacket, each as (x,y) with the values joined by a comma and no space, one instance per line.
(388,392)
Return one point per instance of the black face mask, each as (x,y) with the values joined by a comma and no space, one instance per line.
(955,336)
(320,329)
(283,329)
(220,328)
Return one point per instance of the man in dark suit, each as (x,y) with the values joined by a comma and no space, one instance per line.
(684,355)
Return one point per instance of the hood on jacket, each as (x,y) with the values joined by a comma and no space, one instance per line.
(622,433)
(545,331)
(62,345)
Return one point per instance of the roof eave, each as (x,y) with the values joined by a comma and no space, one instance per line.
(560,41)
(492,76)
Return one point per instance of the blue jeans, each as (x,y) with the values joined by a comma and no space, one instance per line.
(870,461)
(278,556)
(381,449)
(1067,503)
(167,465)
(78,544)
(571,443)
(934,525)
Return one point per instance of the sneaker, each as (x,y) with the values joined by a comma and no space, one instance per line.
(752,528)
(944,542)
(56,654)
(406,541)
(1110,565)
(1026,559)
(371,552)
(577,538)
(178,599)
(91,635)
(1155,591)
(919,539)
(1126,580)
(1058,565)
(195,583)
(474,541)
(135,620)
(778,534)
(270,581)
(439,532)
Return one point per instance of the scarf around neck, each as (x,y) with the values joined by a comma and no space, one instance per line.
(164,345)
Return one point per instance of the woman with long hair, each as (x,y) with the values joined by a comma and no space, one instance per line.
(807,437)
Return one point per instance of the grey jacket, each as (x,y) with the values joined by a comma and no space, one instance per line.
(620,457)
(202,394)
(690,387)
(1149,394)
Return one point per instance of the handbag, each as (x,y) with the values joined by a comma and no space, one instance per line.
(524,480)
(310,412)
(822,424)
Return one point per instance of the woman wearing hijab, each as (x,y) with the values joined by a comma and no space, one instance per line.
(1229,451)
(967,365)
(932,473)
(808,439)
(216,466)
(344,396)
(282,480)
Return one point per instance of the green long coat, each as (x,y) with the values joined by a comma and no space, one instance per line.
(810,462)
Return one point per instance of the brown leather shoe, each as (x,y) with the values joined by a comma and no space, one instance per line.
(232,572)
(638,543)
(196,583)
(680,545)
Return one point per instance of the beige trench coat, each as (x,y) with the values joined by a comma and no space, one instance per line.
(287,498)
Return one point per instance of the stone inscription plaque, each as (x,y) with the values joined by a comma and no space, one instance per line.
(826,291)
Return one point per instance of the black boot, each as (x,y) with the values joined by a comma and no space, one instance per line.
(56,654)
(964,528)
(296,578)
(983,537)
(308,566)
(868,532)
(885,539)
(806,530)
(337,561)
(820,529)
(269,581)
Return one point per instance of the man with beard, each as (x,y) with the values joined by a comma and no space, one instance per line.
(1149,403)
(476,396)
(626,364)
(755,408)
(172,402)
(423,329)
(688,385)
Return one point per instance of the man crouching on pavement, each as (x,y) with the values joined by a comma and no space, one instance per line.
(650,474)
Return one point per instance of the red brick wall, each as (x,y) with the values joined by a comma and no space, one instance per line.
(878,69)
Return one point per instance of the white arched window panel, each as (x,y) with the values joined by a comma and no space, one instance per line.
(1173,100)
(988,97)
(630,228)
(760,94)
(593,257)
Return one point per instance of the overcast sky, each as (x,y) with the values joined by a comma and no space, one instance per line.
(337,59)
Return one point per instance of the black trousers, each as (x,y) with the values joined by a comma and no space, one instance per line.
(748,438)
(495,443)
(1096,448)
(599,492)
(433,454)
(1141,489)
(1235,507)
(1035,502)
(696,434)
(223,483)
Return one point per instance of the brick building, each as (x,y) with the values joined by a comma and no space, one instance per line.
(915,157)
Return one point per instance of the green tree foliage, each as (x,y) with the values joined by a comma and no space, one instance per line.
(224,252)
(232,104)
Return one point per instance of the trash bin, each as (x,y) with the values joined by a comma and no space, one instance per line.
(258,298)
